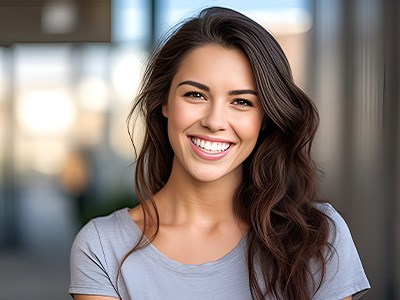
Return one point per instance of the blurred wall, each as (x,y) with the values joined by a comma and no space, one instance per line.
(355,81)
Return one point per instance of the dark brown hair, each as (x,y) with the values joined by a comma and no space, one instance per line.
(278,194)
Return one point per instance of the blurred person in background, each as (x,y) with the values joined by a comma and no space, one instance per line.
(75,179)
(227,187)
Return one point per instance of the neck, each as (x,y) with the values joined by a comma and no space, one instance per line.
(186,200)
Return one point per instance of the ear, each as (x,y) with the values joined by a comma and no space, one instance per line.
(165,109)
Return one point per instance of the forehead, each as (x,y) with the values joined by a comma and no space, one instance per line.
(213,63)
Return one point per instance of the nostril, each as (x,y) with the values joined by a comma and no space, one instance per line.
(214,121)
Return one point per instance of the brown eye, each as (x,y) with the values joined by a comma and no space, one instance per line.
(243,103)
(195,95)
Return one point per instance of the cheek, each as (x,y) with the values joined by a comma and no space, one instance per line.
(182,116)
(248,129)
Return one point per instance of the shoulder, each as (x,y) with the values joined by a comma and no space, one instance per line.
(97,251)
(99,227)
(344,271)
(338,226)
(340,238)
(330,212)
(113,233)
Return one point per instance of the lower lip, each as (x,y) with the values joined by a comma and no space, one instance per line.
(209,156)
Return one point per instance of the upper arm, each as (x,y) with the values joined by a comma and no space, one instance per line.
(344,272)
(90,273)
(91,297)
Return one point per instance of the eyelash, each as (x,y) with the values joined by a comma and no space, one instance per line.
(244,103)
(194,95)
(240,102)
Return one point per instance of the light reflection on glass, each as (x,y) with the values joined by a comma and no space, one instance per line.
(279,16)
(130,20)
(126,71)
(45,112)
(94,94)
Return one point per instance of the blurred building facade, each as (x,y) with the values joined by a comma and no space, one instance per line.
(68,77)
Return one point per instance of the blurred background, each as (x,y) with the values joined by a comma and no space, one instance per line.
(69,70)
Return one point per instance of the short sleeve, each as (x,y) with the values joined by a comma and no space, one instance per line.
(89,274)
(345,275)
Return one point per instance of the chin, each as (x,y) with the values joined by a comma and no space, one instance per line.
(205,178)
(209,177)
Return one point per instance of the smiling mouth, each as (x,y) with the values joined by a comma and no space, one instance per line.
(210,147)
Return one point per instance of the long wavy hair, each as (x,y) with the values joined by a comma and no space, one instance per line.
(279,190)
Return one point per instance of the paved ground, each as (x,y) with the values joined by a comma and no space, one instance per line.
(39,269)
(33,276)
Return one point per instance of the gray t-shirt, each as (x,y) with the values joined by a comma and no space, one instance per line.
(147,274)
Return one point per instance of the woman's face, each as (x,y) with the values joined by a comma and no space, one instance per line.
(214,113)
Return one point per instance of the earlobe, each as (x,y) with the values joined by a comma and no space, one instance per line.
(165,110)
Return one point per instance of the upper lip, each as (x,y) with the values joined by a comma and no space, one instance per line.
(211,139)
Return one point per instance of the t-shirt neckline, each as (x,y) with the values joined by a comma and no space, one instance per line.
(157,257)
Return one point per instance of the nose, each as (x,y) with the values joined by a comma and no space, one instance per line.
(215,118)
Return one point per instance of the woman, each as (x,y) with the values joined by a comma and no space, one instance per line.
(225,179)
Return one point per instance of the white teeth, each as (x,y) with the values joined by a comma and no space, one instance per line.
(210,146)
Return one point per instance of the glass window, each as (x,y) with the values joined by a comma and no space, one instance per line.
(130,20)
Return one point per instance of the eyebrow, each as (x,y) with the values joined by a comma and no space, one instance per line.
(207,89)
(195,84)
(241,92)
